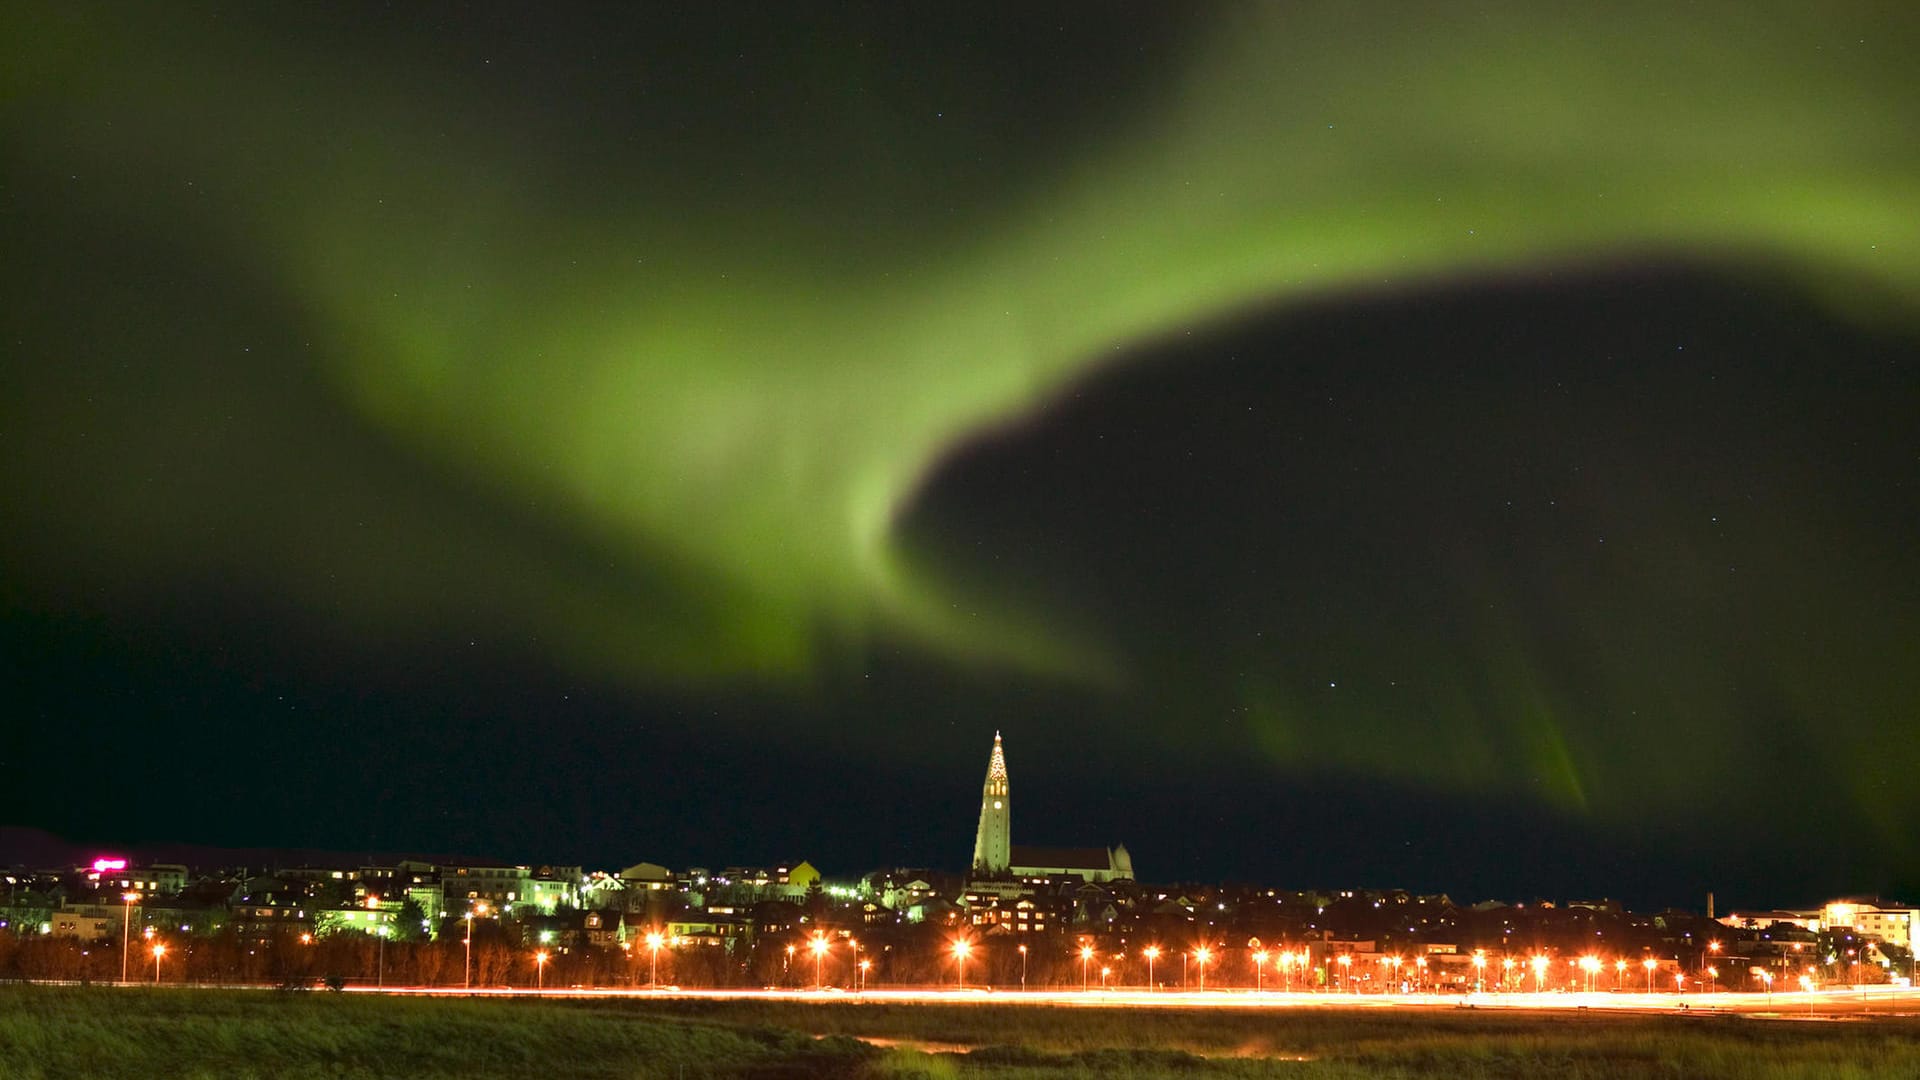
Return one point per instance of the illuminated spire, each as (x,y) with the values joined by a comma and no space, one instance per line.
(993,843)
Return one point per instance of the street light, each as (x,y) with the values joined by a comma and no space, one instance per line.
(1023,967)
(1152,953)
(1346,970)
(1649,963)
(1590,964)
(1202,955)
(1713,978)
(380,968)
(864,966)
(819,947)
(1260,971)
(1086,958)
(1479,970)
(158,952)
(126,930)
(540,970)
(960,950)
(654,941)
(477,909)
(1539,971)
(1393,965)
(1619,975)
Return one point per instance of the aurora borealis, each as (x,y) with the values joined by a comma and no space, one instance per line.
(783,391)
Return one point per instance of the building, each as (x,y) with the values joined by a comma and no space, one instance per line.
(993,840)
(995,858)
(83,924)
(1808,921)
(1095,865)
(118,875)
(1888,925)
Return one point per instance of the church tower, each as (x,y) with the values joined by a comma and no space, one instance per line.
(993,843)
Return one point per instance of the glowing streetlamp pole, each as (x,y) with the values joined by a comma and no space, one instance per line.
(158,952)
(1202,955)
(1260,971)
(1649,963)
(540,970)
(654,941)
(1713,979)
(380,966)
(864,966)
(960,951)
(1086,959)
(819,947)
(1479,971)
(1023,967)
(1539,972)
(480,908)
(126,930)
(1346,970)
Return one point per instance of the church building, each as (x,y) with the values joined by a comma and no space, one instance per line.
(997,858)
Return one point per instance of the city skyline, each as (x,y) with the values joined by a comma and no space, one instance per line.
(1468,451)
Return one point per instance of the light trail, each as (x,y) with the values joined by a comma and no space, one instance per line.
(1848,1000)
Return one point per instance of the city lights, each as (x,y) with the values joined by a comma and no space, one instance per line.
(819,948)
(478,908)
(126,929)
(654,940)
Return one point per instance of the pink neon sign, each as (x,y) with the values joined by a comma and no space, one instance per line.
(103,865)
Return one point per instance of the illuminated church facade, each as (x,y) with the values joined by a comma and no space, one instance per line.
(997,858)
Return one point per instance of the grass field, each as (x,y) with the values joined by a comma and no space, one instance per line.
(73,1032)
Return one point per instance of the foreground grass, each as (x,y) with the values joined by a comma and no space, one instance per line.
(67,1032)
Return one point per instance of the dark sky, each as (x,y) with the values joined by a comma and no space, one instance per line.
(1337,445)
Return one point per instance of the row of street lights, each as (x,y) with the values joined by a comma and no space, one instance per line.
(820,946)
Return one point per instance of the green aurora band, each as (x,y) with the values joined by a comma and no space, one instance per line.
(720,377)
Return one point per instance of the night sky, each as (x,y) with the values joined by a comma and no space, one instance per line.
(1469,448)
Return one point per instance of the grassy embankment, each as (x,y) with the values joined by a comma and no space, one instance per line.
(57,1032)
